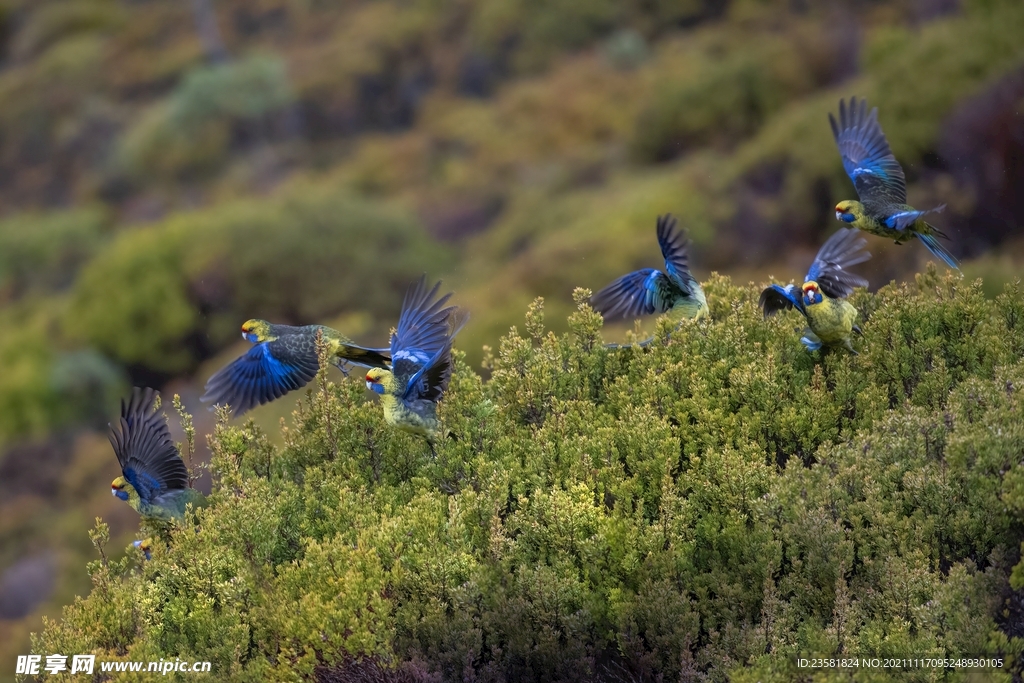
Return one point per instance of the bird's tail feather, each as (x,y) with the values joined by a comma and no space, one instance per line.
(933,245)
(938,209)
(366,357)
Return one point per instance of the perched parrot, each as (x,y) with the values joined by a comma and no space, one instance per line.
(649,291)
(282,359)
(881,186)
(421,355)
(154,478)
(822,298)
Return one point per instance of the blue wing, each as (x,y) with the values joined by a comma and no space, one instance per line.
(144,448)
(260,376)
(642,292)
(673,247)
(431,380)
(423,327)
(831,266)
(775,298)
(901,220)
(866,155)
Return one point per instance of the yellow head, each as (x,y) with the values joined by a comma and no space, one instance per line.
(255,331)
(848,211)
(120,488)
(380,381)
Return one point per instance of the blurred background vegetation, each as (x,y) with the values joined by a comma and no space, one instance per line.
(169,169)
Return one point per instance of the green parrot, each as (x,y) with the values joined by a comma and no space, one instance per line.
(154,479)
(421,352)
(880,183)
(822,298)
(282,359)
(649,291)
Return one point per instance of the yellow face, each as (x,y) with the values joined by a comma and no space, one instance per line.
(846,211)
(117,488)
(375,379)
(254,331)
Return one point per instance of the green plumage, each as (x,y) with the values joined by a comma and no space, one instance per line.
(822,297)
(283,358)
(832,321)
(421,349)
(154,479)
(650,291)
(880,183)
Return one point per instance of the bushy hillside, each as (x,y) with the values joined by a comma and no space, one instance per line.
(709,507)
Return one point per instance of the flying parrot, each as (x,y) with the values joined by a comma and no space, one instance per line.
(822,298)
(154,479)
(422,365)
(880,183)
(283,358)
(649,291)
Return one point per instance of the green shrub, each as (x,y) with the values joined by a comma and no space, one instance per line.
(45,250)
(191,130)
(727,100)
(164,296)
(713,506)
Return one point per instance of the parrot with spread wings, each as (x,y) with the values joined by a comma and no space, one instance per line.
(283,358)
(154,479)
(421,362)
(649,291)
(822,298)
(880,183)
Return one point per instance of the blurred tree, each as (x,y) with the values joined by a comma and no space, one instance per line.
(166,296)
(214,109)
(209,32)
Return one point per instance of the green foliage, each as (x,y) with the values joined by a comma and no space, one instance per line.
(715,505)
(44,251)
(56,21)
(724,99)
(297,258)
(28,402)
(192,129)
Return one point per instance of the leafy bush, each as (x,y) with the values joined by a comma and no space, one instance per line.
(727,100)
(710,507)
(192,130)
(165,296)
(44,251)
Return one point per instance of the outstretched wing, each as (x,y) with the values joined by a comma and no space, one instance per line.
(267,371)
(429,380)
(642,292)
(673,245)
(144,449)
(831,266)
(423,325)
(866,155)
(775,298)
